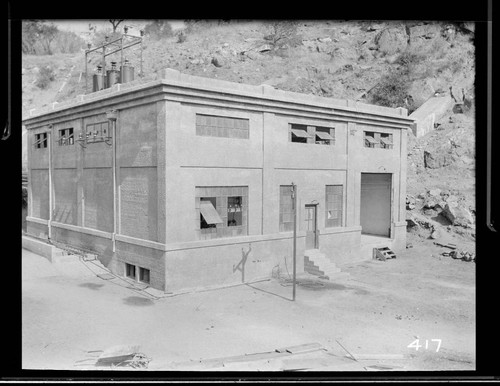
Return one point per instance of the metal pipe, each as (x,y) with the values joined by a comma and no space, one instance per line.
(86,87)
(51,193)
(113,123)
(294,203)
(142,73)
(112,115)
(121,59)
(104,66)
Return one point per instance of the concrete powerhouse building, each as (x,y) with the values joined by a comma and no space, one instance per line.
(184,182)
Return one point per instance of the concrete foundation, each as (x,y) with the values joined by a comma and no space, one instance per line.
(133,199)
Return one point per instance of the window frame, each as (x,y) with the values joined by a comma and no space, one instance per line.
(379,140)
(100,133)
(222,126)
(310,135)
(141,275)
(286,226)
(335,204)
(130,267)
(41,140)
(62,137)
(221,196)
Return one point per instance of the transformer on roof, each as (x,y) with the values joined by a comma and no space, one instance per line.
(105,78)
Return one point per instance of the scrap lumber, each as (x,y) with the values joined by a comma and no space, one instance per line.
(378,356)
(448,245)
(301,348)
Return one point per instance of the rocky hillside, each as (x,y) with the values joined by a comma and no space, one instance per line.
(387,63)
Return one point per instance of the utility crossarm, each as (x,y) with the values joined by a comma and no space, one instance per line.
(103,45)
(118,49)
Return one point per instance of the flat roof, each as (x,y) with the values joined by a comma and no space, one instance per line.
(169,79)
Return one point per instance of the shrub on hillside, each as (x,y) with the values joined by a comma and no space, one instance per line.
(67,42)
(284,34)
(45,76)
(181,37)
(38,37)
(100,36)
(158,29)
(392,91)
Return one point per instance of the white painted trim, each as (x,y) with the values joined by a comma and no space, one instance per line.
(140,242)
(37,220)
(89,231)
(327,231)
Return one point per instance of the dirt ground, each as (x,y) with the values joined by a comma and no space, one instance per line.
(379,309)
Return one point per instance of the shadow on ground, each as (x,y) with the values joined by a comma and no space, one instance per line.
(93,286)
(137,301)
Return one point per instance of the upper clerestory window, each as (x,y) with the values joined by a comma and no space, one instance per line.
(378,140)
(311,134)
(66,137)
(40,141)
(225,127)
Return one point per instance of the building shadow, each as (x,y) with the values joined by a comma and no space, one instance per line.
(268,292)
(241,264)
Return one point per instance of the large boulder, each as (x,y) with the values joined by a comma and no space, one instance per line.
(456,147)
(392,40)
(218,60)
(458,215)
(421,33)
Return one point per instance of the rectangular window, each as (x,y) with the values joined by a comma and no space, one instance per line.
(130,270)
(325,136)
(333,215)
(144,275)
(97,130)
(225,127)
(299,134)
(234,214)
(209,218)
(386,140)
(221,211)
(378,140)
(66,137)
(311,134)
(286,208)
(40,141)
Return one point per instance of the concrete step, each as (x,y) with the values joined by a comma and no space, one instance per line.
(316,263)
(383,253)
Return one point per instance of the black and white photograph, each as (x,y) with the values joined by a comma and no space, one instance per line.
(230,195)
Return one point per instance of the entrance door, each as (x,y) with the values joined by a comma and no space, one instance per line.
(311,227)
(375,211)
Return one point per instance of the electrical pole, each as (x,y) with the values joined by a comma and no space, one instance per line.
(294,205)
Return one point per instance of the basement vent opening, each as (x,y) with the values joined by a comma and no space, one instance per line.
(130,271)
(144,275)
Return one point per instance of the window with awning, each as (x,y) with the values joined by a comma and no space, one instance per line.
(320,135)
(221,211)
(209,213)
(374,139)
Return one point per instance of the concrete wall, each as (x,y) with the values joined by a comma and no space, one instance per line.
(38,206)
(140,256)
(98,193)
(160,161)
(427,114)
(137,174)
(226,263)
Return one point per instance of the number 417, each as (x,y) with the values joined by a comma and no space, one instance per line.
(416,344)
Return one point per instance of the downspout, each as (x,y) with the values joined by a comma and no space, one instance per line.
(111,116)
(51,193)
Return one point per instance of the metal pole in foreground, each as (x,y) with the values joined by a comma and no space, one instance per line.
(294,204)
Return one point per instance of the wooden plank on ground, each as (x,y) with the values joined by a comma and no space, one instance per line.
(377,356)
(301,348)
